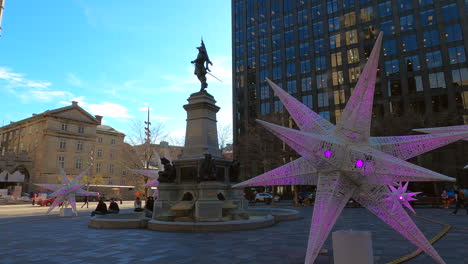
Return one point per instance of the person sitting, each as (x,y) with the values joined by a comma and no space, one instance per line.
(101,208)
(137,205)
(445,199)
(113,207)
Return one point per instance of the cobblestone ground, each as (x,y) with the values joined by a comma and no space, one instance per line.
(40,239)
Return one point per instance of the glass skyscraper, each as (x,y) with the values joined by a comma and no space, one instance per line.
(316,50)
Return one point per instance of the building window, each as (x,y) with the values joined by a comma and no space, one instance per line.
(288,37)
(321,81)
(339,96)
(276,55)
(460,77)
(263,75)
(325,115)
(317,29)
(428,18)
(350,19)
(112,141)
(431,38)
(322,99)
(276,41)
(98,167)
(111,168)
(265,108)
(64,127)
(405,5)
(316,11)
(387,28)
(275,25)
(333,24)
(287,5)
(335,41)
(81,129)
(351,37)
(262,28)
(385,9)
(303,33)
(367,14)
(306,84)
(304,49)
(79,145)
(353,55)
(63,144)
(61,162)
(251,47)
(332,6)
(264,60)
(415,84)
(349,3)
(437,80)
(239,36)
(439,103)
(354,74)
(409,43)
(406,23)
(263,44)
(305,66)
(251,33)
(457,54)
(412,63)
(99,139)
(453,33)
(434,59)
(319,45)
(276,72)
(302,17)
(278,106)
(307,100)
(290,69)
(392,67)
(78,163)
(264,92)
(320,63)
(336,59)
(425,2)
(394,87)
(291,87)
(290,53)
(337,78)
(99,153)
(389,47)
(450,12)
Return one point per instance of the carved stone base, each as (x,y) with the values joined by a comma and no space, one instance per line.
(209,211)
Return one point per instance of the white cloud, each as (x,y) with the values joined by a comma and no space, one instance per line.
(17,80)
(44,96)
(107,109)
(72,79)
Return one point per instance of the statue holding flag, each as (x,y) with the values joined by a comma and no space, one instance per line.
(201,65)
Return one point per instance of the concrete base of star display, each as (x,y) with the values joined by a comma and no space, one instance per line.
(66,212)
(119,221)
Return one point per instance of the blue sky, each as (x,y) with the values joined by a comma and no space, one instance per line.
(114,57)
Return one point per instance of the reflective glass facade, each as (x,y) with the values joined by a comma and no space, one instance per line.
(316,50)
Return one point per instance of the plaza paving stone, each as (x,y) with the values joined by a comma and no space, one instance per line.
(49,239)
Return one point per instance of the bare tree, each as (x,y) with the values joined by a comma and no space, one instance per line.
(224,135)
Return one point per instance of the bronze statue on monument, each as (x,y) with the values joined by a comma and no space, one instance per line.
(201,66)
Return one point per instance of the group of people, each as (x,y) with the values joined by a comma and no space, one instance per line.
(101,208)
(459,198)
(148,205)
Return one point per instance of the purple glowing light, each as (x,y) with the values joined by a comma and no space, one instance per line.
(64,191)
(327,153)
(359,163)
(400,197)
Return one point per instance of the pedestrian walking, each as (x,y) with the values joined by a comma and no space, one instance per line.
(86,202)
(460,198)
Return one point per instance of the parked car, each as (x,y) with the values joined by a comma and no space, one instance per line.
(263,197)
(46,202)
(306,195)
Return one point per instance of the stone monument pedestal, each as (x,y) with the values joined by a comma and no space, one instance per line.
(66,212)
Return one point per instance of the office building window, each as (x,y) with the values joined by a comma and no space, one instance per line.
(263,44)
(339,96)
(307,100)
(425,2)
(453,33)
(288,37)
(278,106)
(264,59)
(319,45)
(265,108)
(290,53)
(387,28)
(305,66)
(367,14)
(336,59)
(322,99)
(333,24)
(450,12)
(251,47)
(276,56)
(337,77)
(349,3)
(264,92)
(304,49)
(288,20)
(415,84)
(239,36)
(302,17)
(351,37)
(460,77)
(335,41)
(251,33)
(292,88)
(437,80)
(303,33)
(332,6)
(369,32)
(316,11)
(405,5)
(276,72)
(428,18)
(263,75)
(290,69)
(317,29)
(353,55)
(412,63)
(349,19)
(457,54)
(287,5)
(406,23)
(431,38)
(325,115)
(321,81)
(276,41)
(434,59)
(262,28)
(392,67)
(389,47)
(306,84)
(354,74)
(320,63)
(409,43)
(275,25)
(385,9)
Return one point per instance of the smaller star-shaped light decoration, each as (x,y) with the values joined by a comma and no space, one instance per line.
(152,174)
(67,191)
(400,196)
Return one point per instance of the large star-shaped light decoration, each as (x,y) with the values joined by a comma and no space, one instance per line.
(345,162)
(152,174)
(400,196)
(68,190)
